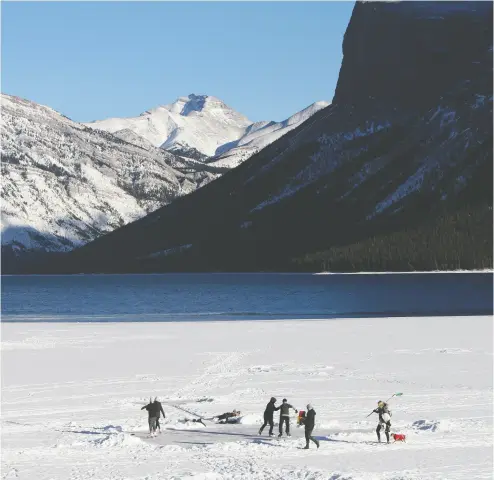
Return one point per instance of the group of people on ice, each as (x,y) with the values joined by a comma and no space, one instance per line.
(306,418)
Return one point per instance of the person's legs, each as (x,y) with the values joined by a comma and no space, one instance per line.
(386,431)
(307,437)
(152,424)
(263,425)
(378,431)
(271,426)
(287,426)
(314,440)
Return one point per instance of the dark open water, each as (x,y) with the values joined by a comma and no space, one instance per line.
(185,297)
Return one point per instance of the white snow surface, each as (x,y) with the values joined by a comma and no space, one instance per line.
(199,121)
(64,184)
(207,124)
(72,395)
(260,135)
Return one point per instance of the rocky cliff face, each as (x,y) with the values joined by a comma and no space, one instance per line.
(64,184)
(408,54)
(408,135)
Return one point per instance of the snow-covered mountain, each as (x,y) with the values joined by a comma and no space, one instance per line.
(260,135)
(201,126)
(201,122)
(406,141)
(64,184)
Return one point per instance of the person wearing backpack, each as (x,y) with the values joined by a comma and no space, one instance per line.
(285,417)
(384,419)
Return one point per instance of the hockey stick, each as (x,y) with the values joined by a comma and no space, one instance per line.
(399,394)
(394,395)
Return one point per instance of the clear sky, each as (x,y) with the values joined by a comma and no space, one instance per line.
(93,60)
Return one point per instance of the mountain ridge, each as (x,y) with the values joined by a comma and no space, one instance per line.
(393,149)
(204,125)
(65,184)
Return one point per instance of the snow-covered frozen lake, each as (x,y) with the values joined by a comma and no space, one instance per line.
(176,297)
(72,393)
(82,354)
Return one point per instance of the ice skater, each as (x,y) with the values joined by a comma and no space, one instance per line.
(268,416)
(285,417)
(384,419)
(310,422)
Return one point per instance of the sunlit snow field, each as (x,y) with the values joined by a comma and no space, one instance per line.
(72,393)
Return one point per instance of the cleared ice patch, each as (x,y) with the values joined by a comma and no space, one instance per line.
(184,424)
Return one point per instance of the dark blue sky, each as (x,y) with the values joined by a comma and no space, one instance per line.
(92,60)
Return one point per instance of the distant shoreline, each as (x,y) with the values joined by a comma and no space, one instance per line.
(404,273)
(244,273)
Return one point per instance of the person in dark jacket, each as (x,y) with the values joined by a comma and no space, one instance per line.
(159,407)
(153,409)
(310,422)
(268,416)
(384,419)
(285,417)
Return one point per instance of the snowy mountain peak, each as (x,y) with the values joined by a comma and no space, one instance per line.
(195,104)
(199,122)
(203,124)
